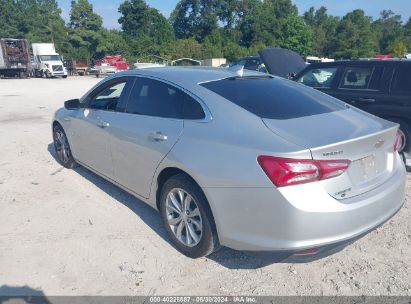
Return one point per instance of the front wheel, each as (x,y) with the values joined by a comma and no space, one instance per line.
(62,148)
(187,217)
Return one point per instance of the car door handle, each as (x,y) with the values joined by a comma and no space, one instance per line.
(158,136)
(103,124)
(66,118)
(366,99)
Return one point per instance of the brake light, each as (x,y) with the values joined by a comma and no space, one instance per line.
(287,171)
(398,142)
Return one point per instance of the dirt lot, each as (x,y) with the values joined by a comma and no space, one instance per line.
(66,232)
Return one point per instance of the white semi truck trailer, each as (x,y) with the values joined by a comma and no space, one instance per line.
(46,62)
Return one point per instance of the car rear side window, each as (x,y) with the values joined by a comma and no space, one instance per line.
(356,78)
(402,80)
(274,98)
(155,98)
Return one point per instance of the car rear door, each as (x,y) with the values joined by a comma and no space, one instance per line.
(363,86)
(145,132)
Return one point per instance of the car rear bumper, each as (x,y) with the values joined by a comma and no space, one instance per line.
(266,219)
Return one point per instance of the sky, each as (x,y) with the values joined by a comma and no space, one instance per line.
(108,8)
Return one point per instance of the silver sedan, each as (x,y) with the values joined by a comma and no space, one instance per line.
(244,160)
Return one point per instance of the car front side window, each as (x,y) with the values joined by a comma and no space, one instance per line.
(107,97)
(319,77)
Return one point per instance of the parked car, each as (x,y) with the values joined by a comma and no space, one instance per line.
(275,61)
(109,65)
(252,63)
(380,87)
(256,163)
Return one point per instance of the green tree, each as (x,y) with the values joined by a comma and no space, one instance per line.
(183,48)
(11,19)
(42,22)
(399,49)
(85,30)
(296,36)
(230,12)
(194,18)
(407,33)
(323,28)
(138,20)
(389,30)
(263,21)
(354,37)
(113,42)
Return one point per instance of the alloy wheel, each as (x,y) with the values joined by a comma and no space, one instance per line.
(62,147)
(184,218)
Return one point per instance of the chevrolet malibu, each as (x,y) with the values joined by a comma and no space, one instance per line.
(244,160)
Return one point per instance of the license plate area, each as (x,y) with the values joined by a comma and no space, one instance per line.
(367,168)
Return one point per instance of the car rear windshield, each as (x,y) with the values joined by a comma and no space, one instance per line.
(274,98)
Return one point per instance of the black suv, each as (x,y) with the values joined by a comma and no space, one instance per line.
(380,87)
(249,63)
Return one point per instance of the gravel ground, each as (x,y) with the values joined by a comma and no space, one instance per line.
(69,232)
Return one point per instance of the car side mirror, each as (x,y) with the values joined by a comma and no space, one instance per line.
(72,104)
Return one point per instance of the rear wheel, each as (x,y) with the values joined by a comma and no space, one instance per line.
(62,148)
(187,217)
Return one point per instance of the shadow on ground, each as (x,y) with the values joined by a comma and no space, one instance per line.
(22,294)
(226,257)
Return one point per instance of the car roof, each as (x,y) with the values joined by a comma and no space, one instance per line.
(249,57)
(365,62)
(186,76)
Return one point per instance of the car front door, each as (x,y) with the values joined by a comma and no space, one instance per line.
(322,78)
(90,127)
(145,132)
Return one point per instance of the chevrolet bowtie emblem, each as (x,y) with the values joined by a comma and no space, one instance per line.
(379,143)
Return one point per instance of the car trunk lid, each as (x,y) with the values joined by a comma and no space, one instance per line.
(347,134)
(282,62)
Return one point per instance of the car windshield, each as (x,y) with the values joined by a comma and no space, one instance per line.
(50,57)
(274,98)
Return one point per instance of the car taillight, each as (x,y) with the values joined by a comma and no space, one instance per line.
(287,171)
(398,142)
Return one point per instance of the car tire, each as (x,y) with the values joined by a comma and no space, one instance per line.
(62,148)
(195,234)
